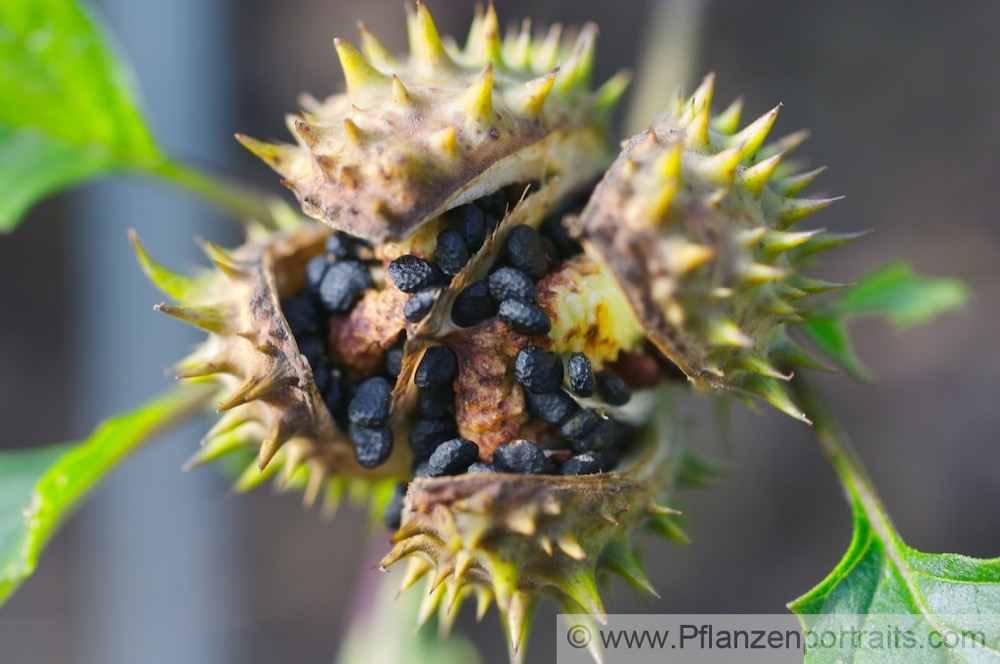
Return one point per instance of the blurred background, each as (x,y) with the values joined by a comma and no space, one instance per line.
(164,566)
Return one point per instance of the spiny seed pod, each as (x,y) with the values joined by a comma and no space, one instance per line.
(692,220)
(416,136)
(272,399)
(514,539)
(484,323)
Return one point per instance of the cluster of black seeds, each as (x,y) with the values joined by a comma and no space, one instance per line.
(339,276)
(586,435)
(335,280)
(468,227)
(588,441)
(437,448)
(434,423)
(509,291)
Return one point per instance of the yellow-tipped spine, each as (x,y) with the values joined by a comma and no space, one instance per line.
(425,42)
(358,72)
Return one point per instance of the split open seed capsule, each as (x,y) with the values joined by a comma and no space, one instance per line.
(470,291)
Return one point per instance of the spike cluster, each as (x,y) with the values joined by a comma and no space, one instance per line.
(514,539)
(270,401)
(693,221)
(414,136)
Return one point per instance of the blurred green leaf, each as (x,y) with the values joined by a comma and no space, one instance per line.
(902,296)
(894,291)
(830,336)
(696,470)
(66,112)
(39,486)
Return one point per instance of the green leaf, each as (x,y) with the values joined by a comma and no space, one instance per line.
(66,112)
(38,487)
(881,580)
(695,470)
(894,291)
(830,336)
(902,296)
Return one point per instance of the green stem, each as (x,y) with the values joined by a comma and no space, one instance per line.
(667,59)
(833,440)
(862,496)
(240,200)
(830,434)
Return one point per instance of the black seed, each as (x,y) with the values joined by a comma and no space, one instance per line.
(342,246)
(411,274)
(588,432)
(490,222)
(521,456)
(426,435)
(394,360)
(523,318)
(451,253)
(394,508)
(498,202)
(553,228)
(335,395)
(301,314)
(370,406)
(601,438)
(321,376)
(339,244)
(315,270)
(438,366)
(419,305)
(613,389)
(348,392)
(582,464)
(372,445)
(480,467)
(539,371)
(508,283)
(553,408)
(525,252)
(468,220)
(581,375)
(313,346)
(452,457)
(577,426)
(436,404)
(343,284)
(474,305)
(495,203)
(421,469)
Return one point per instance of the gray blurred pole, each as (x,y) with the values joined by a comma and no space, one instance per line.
(668,57)
(157,583)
